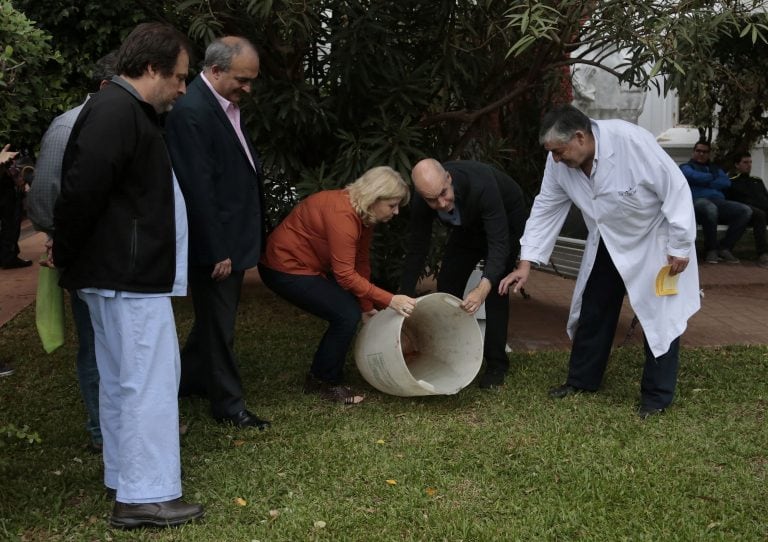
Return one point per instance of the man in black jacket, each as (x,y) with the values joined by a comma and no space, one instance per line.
(120,239)
(484,210)
(752,192)
(220,174)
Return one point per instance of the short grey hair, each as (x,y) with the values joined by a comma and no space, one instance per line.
(561,123)
(221,51)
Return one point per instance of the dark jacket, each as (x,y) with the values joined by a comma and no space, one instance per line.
(749,190)
(114,219)
(223,192)
(493,213)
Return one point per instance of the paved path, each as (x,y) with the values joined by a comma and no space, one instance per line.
(734,307)
(17,286)
(734,310)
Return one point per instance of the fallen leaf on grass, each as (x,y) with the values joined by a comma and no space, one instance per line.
(430,491)
(380,441)
(319,524)
(274,513)
(238,443)
(239,501)
(392,482)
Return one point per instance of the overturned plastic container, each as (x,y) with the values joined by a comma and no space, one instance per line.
(438,350)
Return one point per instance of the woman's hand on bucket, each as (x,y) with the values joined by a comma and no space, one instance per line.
(402,304)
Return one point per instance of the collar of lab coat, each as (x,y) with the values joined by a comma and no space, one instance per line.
(604,154)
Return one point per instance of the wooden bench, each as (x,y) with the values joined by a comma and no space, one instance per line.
(565,261)
(566,257)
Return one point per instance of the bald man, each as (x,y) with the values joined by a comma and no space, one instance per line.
(220,173)
(484,211)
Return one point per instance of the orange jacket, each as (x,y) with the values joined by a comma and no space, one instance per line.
(322,235)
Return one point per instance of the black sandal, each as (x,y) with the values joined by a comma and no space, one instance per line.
(336,393)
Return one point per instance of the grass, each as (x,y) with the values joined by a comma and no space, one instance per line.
(509,464)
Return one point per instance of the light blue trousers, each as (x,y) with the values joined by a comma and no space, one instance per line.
(137,352)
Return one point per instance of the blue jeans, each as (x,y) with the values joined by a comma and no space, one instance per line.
(711,212)
(327,300)
(87,370)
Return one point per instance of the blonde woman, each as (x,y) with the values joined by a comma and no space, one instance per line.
(318,259)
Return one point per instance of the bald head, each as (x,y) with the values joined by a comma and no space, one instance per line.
(433,184)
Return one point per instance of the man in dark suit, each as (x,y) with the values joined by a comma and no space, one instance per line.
(220,174)
(484,209)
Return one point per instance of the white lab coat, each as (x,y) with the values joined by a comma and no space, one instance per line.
(638,201)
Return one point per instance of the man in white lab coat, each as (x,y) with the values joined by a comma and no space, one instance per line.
(637,207)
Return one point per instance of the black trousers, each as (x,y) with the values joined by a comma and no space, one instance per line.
(758,230)
(11,206)
(459,260)
(600,310)
(208,363)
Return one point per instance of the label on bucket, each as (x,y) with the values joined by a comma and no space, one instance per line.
(379,372)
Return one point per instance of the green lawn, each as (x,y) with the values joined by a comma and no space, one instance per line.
(510,464)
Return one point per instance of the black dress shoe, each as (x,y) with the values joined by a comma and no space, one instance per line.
(154,514)
(492,379)
(647,412)
(16,263)
(564,391)
(244,419)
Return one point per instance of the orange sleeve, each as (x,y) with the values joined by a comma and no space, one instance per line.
(349,244)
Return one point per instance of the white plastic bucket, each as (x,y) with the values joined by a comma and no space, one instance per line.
(443,349)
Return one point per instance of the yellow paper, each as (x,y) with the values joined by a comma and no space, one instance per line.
(666,284)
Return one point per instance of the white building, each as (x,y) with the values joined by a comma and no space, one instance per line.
(598,94)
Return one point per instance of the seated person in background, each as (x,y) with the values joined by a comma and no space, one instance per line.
(708,185)
(6,155)
(15,173)
(318,259)
(751,191)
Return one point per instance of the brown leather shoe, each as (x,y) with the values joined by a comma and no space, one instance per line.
(154,514)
